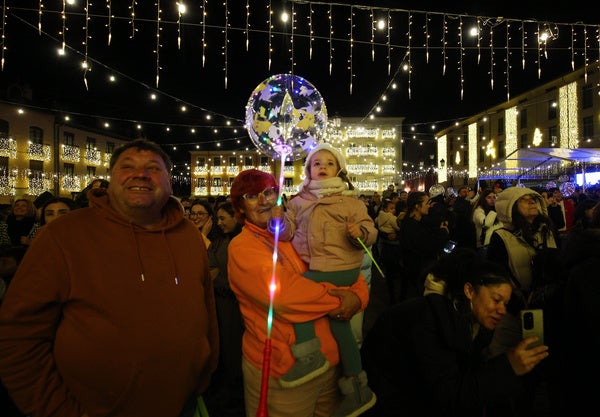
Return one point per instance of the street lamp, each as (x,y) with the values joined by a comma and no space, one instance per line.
(442,163)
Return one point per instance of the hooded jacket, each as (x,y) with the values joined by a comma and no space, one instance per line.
(519,253)
(316,218)
(105,317)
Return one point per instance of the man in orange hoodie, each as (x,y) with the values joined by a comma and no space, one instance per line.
(112,310)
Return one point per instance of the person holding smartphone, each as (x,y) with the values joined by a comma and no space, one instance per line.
(424,355)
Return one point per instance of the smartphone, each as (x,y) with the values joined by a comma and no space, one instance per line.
(449,246)
(532,324)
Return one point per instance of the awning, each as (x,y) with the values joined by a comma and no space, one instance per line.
(544,163)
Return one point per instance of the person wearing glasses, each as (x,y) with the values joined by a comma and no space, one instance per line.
(296,299)
(326,222)
(203,216)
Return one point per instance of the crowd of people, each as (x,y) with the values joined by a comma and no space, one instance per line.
(129,301)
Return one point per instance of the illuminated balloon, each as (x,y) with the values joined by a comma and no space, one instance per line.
(567,189)
(436,189)
(550,184)
(286,115)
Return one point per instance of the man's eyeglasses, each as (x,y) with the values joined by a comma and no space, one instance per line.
(268,193)
(198,213)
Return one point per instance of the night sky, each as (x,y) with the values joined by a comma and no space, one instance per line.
(58,83)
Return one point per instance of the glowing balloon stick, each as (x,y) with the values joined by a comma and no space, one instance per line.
(262,410)
(371,256)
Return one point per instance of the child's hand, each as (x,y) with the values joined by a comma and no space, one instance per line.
(354,230)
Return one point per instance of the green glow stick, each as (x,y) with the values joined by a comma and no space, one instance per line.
(371,256)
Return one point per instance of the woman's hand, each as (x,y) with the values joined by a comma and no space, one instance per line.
(523,360)
(349,304)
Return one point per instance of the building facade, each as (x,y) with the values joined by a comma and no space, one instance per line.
(564,113)
(40,153)
(373,151)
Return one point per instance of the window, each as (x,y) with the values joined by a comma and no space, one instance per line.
(587,98)
(4,127)
(217,161)
(91,171)
(265,160)
(110,147)
(90,144)
(217,182)
(588,127)
(524,143)
(68,138)
(481,154)
(69,169)
(553,136)
(201,182)
(3,165)
(232,161)
(36,135)
(248,161)
(36,168)
(552,110)
(481,132)
(523,118)
(501,126)
(231,181)
(501,150)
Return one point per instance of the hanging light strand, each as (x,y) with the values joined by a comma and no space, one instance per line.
(86,64)
(3,35)
(388,41)
(292,25)
(132,20)
(372,35)
(478,40)
(226,43)
(539,51)
(585,54)
(270,26)
(427,36)
(310,31)
(491,58)
(40,9)
(109,23)
(157,51)
(444,31)
(330,16)
(507,60)
(247,30)
(63,16)
(409,55)
(351,46)
(523,44)
(461,52)
(203,24)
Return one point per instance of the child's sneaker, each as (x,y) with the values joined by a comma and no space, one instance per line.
(310,363)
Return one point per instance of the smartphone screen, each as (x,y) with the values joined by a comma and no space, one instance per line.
(449,246)
(532,324)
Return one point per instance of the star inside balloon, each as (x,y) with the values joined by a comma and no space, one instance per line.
(286,116)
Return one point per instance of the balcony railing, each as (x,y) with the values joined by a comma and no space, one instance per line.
(71,184)
(39,152)
(71,153)
(93,157)
(8,147)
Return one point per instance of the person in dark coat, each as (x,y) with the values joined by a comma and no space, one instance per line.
(582,258)
(424,356)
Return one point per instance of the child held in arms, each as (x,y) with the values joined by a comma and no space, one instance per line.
(325,221)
